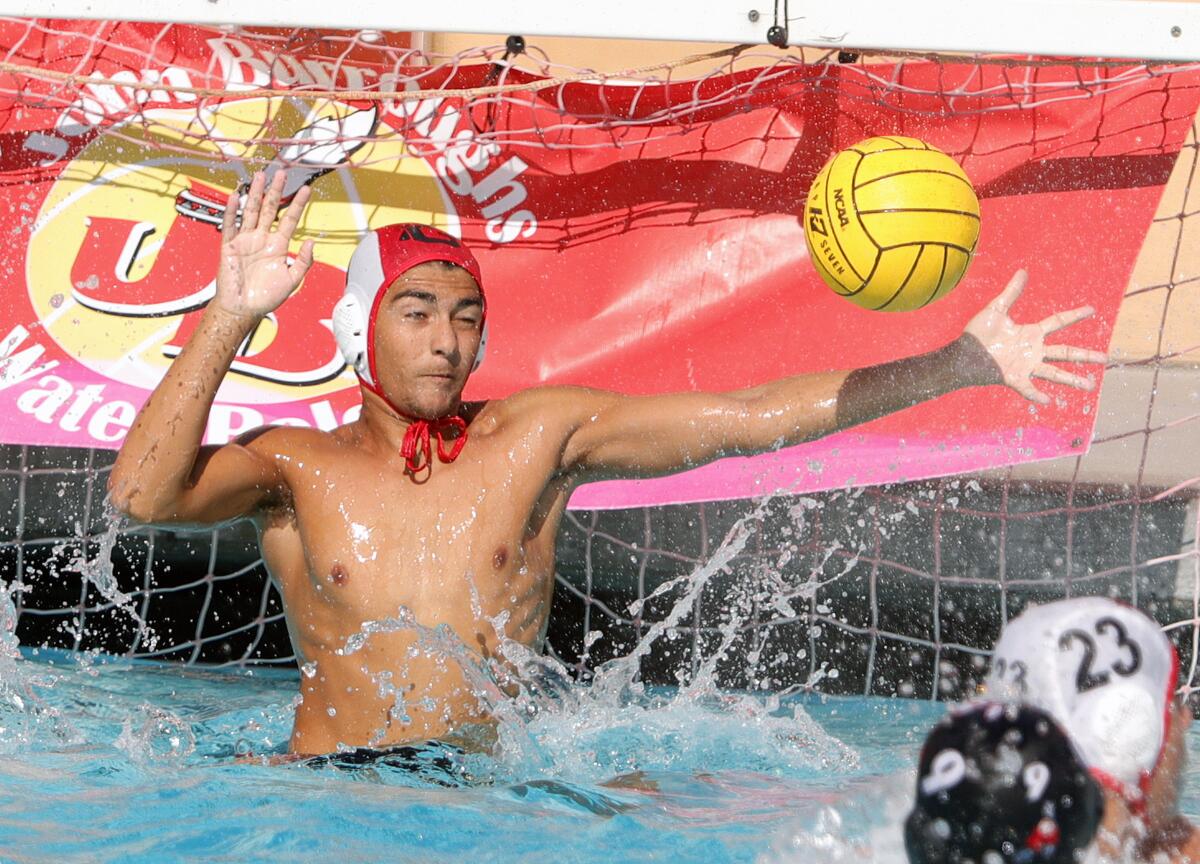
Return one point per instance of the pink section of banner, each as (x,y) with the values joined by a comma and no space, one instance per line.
(845,460)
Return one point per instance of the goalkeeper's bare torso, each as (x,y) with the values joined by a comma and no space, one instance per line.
(358,545)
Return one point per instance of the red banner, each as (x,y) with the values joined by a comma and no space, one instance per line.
(627,241)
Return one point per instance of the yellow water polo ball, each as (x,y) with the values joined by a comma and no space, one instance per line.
(891,223)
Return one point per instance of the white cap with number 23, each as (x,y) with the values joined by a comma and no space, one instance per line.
(1104,671)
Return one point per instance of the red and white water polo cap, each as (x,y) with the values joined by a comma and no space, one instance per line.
(1105,672)
(380,258)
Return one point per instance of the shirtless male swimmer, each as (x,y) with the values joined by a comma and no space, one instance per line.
(352,529)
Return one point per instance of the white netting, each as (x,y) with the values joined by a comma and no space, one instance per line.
(891,590)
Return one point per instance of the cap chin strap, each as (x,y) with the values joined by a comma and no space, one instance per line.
(417,446)
(416,442)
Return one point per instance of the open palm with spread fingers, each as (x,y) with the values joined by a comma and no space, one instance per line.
(1020,351)
(255,275)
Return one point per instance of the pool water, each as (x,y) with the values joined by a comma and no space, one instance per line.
(109,760)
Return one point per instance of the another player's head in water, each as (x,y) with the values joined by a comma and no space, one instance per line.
(1108,674)
(412,320)
(1001,784)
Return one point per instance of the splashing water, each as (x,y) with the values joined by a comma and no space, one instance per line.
(27,718)
(20,706)
(865,826)
(599,771)
(161,736)
(615,725)
(97,569)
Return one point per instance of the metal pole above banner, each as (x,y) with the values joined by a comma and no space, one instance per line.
(1160,30)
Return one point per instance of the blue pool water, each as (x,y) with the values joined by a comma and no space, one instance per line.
(115,761)
(104,760)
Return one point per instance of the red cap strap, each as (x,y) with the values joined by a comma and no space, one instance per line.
(417,443)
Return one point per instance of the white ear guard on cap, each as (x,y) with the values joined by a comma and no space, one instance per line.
(1104,671)
(350,331)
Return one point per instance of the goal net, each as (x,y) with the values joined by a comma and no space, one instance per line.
(855,577)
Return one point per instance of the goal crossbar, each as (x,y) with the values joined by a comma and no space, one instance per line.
(1158,30)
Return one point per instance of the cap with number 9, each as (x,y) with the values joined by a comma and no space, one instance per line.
(1001,783)
(1104,671)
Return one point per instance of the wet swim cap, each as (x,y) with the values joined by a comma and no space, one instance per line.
(380,259)
(1105,672)
(1001,783)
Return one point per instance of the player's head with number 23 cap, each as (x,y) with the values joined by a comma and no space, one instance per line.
(1105,672)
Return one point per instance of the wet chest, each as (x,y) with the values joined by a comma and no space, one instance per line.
(379,543)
